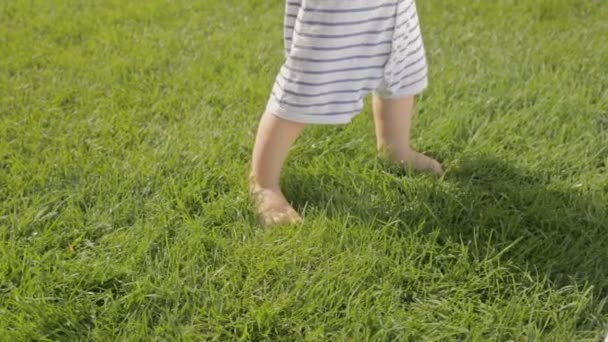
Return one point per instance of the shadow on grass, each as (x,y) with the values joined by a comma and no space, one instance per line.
(557,231)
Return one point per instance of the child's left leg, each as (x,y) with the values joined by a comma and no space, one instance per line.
(393,119)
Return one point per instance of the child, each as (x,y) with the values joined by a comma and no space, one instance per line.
(339,51)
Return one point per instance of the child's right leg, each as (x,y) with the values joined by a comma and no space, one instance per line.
(274,140)
(393,119)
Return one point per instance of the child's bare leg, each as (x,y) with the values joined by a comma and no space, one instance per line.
(274,139)
(393,119)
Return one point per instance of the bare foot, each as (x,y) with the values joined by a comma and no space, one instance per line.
(272,207)
(416,161)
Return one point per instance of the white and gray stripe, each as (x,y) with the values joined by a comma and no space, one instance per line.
(339,51)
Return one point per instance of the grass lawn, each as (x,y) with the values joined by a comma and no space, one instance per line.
(125,134)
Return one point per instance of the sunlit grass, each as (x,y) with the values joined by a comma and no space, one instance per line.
(125,134)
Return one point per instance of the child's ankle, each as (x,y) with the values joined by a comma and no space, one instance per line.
(257,183)
(392,152)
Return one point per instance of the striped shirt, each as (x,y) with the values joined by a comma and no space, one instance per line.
(337,52)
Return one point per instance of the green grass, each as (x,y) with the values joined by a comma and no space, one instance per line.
(125,134)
